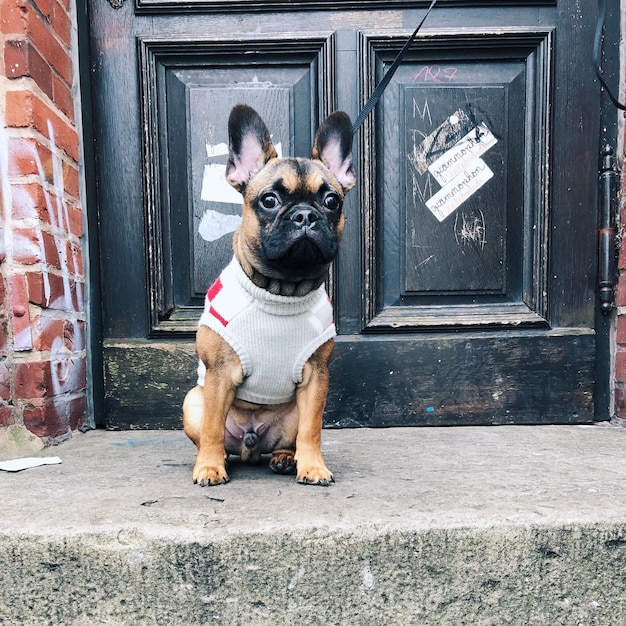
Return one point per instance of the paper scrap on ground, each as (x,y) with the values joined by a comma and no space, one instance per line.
(17,465)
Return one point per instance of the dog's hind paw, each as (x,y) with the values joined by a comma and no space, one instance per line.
(283,462)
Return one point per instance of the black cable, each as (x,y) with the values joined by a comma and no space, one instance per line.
(596,54)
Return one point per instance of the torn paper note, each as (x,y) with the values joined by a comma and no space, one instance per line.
(459,189)
(455,160)
(214,225)
(215,187)
(17,465)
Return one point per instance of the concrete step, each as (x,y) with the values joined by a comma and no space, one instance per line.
(500,525)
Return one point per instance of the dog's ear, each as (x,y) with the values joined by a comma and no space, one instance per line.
(249,144)
(333,147)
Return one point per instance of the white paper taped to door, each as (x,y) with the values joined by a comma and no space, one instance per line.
(466,150)
(459,189)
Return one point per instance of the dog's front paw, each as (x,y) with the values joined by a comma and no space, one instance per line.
(315,475)
(204,474)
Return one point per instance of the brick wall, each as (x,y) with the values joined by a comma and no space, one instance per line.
(620,293)
(42,287)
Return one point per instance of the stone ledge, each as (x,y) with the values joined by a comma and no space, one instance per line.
(501,525)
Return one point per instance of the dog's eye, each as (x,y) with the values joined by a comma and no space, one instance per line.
(269,201)
(332,202)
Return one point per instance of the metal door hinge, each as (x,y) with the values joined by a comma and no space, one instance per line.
(606,242)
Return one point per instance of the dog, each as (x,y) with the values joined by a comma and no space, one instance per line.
(267,333)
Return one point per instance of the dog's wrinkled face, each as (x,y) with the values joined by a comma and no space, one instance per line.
(292,211)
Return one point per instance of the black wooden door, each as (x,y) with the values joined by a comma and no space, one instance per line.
(465,288)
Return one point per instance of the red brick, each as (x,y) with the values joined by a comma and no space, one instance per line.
(62,98)
(45,7)
(25,110)
(13,17)
(51,250)
(21,59)
(620,401)
(74,259)
(60,22)
(46,331)
(74,335)
(75,215)
(30,380)
(45,379)
(7,415)
(4,336)
(59,335)
(19,313)
(621,330)
(5,381)
(25,246)
(19,109)
(70,180)
(78,413)
(68,374)
(51,419)
(27,156)
(29,201)
(52,291)
(60,132)
(621,257)
(32,246)
(620,365)
(49,48)
(620,291)
(56,416)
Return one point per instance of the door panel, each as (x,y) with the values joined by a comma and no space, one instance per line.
(464,227)
(464,290)
(189,88)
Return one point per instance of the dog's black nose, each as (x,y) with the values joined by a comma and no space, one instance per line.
(304,217)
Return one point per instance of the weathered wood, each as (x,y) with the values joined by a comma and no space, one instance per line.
(440,380)
(146,383)
(218,6)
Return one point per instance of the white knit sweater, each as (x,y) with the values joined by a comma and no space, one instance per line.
(273,335)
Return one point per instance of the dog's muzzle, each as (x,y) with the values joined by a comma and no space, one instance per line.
(304,217)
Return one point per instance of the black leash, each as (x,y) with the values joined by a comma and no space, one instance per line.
(596,55)
(378,92)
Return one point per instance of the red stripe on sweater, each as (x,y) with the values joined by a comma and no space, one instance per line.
(214,289)
(218,317)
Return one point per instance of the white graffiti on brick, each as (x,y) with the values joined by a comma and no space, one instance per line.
(19,243)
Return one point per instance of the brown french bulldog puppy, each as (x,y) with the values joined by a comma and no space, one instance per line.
(266,333)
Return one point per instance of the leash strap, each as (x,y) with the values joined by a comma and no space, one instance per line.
(378,92)
(596,55)
(380,88)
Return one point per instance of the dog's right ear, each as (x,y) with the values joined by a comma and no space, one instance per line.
(249,144)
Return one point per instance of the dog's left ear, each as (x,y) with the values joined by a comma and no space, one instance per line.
(249,144)
(333,147)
